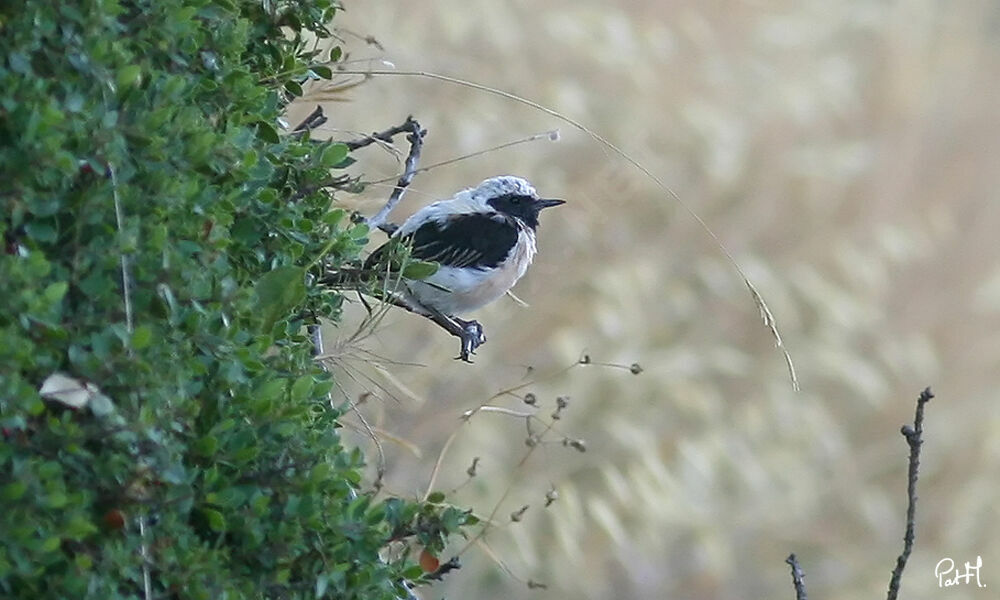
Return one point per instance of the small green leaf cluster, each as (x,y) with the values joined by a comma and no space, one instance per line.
(154,258)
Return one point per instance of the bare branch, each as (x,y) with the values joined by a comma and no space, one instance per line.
(914,438)
(409,125)
(314,120)
(126,282)
(147,582)
(416,139)
(797,577)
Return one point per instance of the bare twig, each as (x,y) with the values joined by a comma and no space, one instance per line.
(797,576)
(380,466)
(552,135)
(416,139)
(340,182)
(147,583)
(409,125)
(314,120)
(119,219)
(914,438)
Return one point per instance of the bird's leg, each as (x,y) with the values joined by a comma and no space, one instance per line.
(472,336)
(470,333)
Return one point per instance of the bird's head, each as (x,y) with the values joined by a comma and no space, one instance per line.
(513,196)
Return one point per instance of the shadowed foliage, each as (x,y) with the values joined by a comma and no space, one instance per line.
(166,430)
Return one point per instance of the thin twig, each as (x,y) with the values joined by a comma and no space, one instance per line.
(147,583)
(314,120)
(126,282)
(467,417)
(317,337)
(340,182)
(797,577)
(552,135)
(416,139)
(380,465)
(914,438)
(409,125)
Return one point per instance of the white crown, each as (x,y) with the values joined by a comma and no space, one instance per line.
(500,186)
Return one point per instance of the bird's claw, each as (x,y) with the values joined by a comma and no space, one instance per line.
(472,337)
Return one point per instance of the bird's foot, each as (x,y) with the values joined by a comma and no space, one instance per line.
(472,337)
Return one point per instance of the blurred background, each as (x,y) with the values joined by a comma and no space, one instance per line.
(847,154)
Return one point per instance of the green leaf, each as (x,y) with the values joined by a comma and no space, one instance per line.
(101,405)
(333,155)
(345,163)
(55,291)
(322,581)
(279,292)
(79,528)
(271,389)
(359,231)
(334,216)
(301,388)
(128,76)
(322,71)
(419,269)
(436,497)
(142,336)
(207,445)
(215,519)
(40,231)
(13,490)
(50,545)
(267,132)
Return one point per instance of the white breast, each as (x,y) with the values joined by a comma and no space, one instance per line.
(458,291)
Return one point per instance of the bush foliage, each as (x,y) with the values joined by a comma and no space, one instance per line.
(153,257)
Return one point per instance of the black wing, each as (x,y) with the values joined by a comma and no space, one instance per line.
(463,240)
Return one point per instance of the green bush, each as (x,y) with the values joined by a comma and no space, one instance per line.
(152,255)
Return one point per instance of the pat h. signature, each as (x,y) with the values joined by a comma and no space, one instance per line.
(947,575)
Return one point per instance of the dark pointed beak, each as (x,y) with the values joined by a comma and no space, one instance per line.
(547,202)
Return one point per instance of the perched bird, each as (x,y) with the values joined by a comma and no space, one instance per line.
(483,240)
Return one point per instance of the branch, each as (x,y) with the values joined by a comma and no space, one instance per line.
(797,576)
(416,139)
(126,283)
(314,120)
(914,438)
(409,125)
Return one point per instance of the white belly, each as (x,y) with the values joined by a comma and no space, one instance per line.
(458,291)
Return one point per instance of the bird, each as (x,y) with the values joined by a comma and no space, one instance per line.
(482,239)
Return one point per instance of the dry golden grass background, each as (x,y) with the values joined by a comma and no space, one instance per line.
(848,153)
